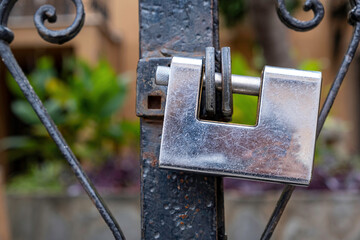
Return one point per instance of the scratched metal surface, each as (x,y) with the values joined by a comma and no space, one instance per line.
(279,148)
(174,205)
(185,27)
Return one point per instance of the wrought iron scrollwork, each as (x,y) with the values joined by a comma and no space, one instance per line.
(5,8)
(354,15)
(354,19)
(299,25)
(47,12)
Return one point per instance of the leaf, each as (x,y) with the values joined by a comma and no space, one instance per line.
(44,72)
(57,90)
(245,109)
(233,11)
(13,86)
(311,65)
(55,111)
(42,178)
(111,106)
(16,142)
(240,66)
(24,112)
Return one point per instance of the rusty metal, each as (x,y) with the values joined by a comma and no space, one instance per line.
(147,91)
(209,81)
(174,205)
(226,84)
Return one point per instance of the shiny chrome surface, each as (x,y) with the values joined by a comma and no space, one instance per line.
(280,148)
(162,75)
(240,84)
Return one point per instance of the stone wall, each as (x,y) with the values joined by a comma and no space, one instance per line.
(309,216)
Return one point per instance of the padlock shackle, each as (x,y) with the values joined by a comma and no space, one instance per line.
(240,84)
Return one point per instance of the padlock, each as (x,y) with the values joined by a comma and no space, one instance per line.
(279,148)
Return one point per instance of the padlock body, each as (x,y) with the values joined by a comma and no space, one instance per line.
(279,148)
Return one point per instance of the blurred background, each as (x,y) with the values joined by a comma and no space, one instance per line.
(88,87)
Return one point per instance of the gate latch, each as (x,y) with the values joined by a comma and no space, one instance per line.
(279,148)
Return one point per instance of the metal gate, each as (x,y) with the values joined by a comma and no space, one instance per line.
(167,28)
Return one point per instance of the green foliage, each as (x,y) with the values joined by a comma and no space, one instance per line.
(311,65)
(291,5)
(235,11)
(245,107)
(83,105)
(42,179)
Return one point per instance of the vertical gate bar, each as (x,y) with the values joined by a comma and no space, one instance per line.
(174,205)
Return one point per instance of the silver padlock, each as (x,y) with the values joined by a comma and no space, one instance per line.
(279,148)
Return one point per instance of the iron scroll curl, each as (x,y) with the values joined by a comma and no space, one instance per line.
(45,12)
(5,8)
(301,26)
(48,12)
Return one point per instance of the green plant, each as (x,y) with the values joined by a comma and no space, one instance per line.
(235,11)
(83,102)
(311,65)
(44,178)
(245,107)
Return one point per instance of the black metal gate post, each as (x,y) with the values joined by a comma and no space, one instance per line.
(174,205)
